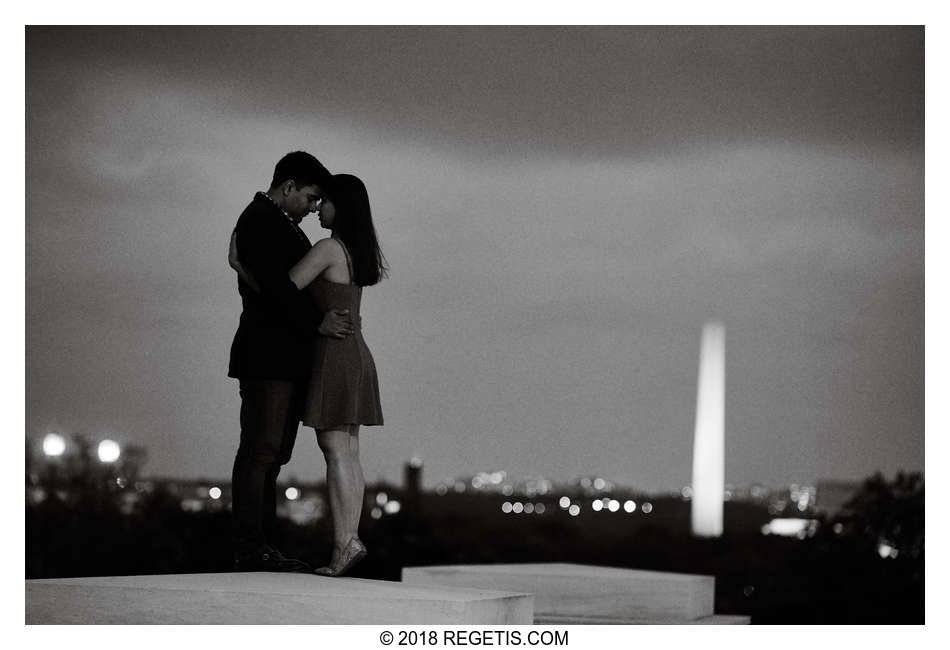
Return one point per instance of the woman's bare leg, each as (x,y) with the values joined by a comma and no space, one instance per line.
(341,484)
(359,484)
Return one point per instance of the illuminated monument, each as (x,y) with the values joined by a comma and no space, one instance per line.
(708,440)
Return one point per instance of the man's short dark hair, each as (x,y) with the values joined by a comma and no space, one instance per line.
(303,168)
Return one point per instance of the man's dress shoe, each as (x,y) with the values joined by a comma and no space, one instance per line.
(269,559)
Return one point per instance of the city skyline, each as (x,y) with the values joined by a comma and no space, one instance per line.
(562,209)
(67,450)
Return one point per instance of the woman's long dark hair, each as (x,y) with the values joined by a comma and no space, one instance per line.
(353,224)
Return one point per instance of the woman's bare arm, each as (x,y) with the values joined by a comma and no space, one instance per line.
(336,322)
(319,258)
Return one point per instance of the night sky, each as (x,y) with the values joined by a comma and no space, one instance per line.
(562,210)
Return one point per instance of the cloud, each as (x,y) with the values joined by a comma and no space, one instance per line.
(523,92)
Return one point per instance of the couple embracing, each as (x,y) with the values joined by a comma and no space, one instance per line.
(299,353)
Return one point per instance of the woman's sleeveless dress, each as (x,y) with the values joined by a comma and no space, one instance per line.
(343,386)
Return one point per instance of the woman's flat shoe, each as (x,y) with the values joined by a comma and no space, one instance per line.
(353,552)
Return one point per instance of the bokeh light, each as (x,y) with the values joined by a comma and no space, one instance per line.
(54,444)
(109,451)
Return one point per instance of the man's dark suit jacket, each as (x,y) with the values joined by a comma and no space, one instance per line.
(275,337)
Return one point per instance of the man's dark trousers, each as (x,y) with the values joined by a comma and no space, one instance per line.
(269,418)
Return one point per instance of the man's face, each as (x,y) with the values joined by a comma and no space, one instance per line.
(299,202)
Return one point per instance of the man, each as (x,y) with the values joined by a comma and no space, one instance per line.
(271,352)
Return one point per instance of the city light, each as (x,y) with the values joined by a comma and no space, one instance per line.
(789,527)
(192,505)
(215,493)
(539,509)
(392,507)
(292,493)
(597,505)
(629,506)
(518,508)
(885,550)
(37,495)
(506,507)
(614,505)
(599,483)
(564,502)
(376,513)
(574,510)
(54,444)
(109,451)
(382,498)
(529,508)
(647,508)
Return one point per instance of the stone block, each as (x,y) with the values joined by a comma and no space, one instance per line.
(266,598)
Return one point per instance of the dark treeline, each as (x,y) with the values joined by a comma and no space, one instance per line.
(835,576)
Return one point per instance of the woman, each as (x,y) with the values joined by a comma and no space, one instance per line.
(343,392)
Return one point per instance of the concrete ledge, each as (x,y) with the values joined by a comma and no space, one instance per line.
(265,598)
(575,591)
(715,619)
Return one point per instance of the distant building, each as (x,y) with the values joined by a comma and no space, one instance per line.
(413,477)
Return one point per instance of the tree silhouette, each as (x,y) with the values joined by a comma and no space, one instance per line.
(888,513)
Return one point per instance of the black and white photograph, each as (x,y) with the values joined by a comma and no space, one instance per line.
(500,329)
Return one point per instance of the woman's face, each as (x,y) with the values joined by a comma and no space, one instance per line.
(326,213)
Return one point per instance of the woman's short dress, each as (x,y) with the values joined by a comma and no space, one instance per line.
(343,385)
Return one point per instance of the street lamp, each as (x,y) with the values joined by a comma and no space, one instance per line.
(54,445)
(109,451)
